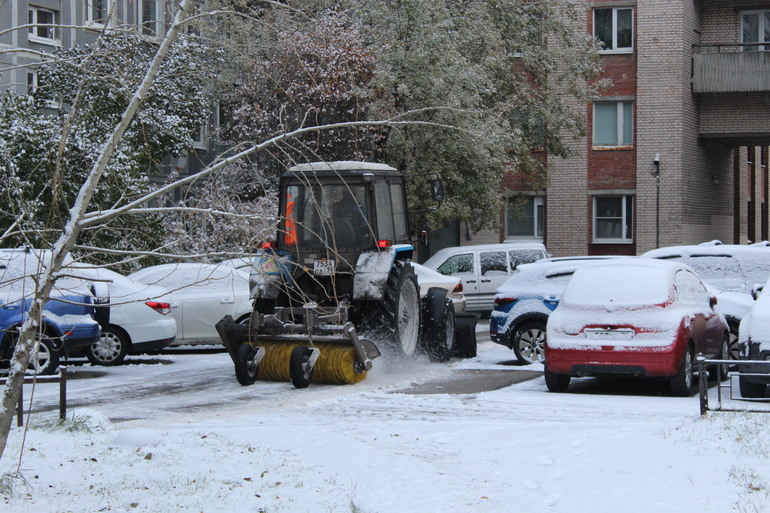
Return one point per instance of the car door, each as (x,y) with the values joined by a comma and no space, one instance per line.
(463,266)
(493,271)
(206,301)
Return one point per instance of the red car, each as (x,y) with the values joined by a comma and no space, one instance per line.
(635,318)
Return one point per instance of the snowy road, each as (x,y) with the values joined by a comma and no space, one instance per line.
(183,435)
(149,387)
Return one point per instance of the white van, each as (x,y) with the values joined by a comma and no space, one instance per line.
(483,268)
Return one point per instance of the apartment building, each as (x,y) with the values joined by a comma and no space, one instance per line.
(676,151)
(31,28)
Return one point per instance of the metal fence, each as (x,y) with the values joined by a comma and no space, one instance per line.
(727,385)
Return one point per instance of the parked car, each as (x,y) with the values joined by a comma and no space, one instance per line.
(633,317)
(732,270)
(427,278)
(526,299)
(754,344)
(139,321)
(483,268)
(200,295)
(69,316)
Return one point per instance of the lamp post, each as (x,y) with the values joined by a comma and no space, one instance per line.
(656,174)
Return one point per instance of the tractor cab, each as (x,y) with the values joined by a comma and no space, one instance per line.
(334,212)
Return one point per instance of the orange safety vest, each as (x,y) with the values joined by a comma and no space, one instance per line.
(291,229)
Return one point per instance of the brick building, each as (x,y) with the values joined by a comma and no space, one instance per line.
(689,104)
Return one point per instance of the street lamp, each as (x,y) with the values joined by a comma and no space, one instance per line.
(656,174)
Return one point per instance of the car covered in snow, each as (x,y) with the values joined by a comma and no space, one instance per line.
(139,321)
(524,302)
(754,344)
(69,316)
(200,296)
(633,317)
(731,270)
(428,278)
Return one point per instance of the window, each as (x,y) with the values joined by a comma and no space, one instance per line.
(525,217)
(43,29)
(200,137)
(613,218)
(493,263)
(613,123)
(98,11)
(457,264)
(150,17)
(32,83)
(755,28)
(613,27)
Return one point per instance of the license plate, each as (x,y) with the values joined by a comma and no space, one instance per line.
(600,334)
(323,267)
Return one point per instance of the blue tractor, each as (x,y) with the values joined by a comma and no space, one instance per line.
(338,276)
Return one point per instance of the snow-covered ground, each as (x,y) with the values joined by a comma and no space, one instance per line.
(186,437)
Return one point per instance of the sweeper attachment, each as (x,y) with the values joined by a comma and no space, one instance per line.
(301,344)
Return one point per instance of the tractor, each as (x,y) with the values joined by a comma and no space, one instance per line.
(338,275)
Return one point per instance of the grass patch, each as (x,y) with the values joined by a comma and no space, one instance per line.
(11,482)
(75,423)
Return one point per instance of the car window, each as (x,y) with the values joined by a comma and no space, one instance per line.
(690,290)
(560,278)
(524,256)
(618,286)
(720,271)
(493,263)
(756,269)
(457,264)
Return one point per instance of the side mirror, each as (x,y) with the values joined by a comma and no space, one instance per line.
(437,190)
(756,291)
(713,301)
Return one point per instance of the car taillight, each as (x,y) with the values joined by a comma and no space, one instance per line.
(161,308)
(503,301)
(268,244)
(458,288)
(384,243)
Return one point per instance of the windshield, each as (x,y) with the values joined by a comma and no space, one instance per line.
(320,216)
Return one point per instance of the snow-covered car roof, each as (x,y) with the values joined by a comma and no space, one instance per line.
(727,267)
(19,269)
(186,274)
(543,276)
(622,282)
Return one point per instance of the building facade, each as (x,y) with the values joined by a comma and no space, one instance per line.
(676,149)
(29,29)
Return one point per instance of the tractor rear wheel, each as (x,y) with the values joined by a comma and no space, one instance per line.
(401,307)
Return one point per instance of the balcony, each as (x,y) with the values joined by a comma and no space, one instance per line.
(729,68)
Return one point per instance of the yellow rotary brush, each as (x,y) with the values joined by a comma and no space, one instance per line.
(334,366)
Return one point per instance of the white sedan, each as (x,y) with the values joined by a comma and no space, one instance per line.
(427,278)
(139,320)
(200,295)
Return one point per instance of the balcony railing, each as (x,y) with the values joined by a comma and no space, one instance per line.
(731,68)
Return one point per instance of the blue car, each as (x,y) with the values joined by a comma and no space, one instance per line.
(69,317)
(523,303)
